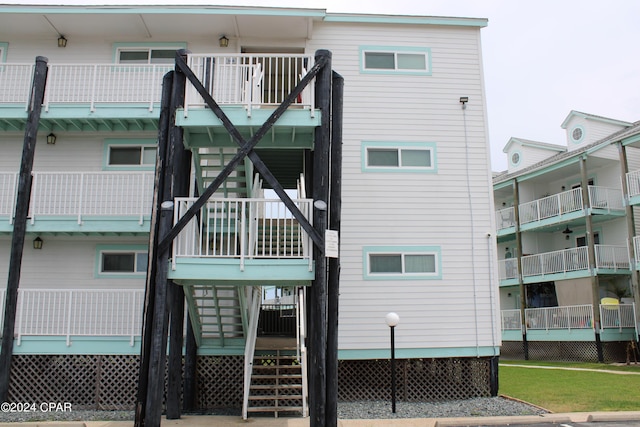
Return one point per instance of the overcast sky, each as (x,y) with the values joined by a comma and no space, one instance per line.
(542,58)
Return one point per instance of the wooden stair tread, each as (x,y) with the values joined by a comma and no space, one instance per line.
(278,397)
(274,408)
(275,387)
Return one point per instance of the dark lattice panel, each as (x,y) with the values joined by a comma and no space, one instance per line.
(417,379)
(570,351)
(118,382)
(219,382)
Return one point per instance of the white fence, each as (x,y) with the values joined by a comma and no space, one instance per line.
(617,316)
(505,218)
(633,183)
(562,261)
(508,268)
(86,84)
(74,312)
(612,257)
(511,320)
(551,206)
(568,317)
(609,199)
(243,228)
(82,194)
(250,80)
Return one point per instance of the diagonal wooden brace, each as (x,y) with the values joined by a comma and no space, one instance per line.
(246,149)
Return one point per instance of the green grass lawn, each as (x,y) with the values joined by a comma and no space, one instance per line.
(572,391)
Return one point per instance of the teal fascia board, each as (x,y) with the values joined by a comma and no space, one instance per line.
(610,271)
(417,353)
(552,221)
(503,184)
(509,282)
(512,335)
(79,345)
(631,140)
(204,117)
(282,138)
(583,335)
(614,335)
(635,200)
(256,271)
(578,274)
(406,20)
(506,231)
(101,225)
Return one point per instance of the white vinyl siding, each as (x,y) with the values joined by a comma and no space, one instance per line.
(398,157)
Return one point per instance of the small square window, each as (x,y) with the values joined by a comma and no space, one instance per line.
(407,263)
(383,157)
(402,60)
(131,155)
(419,158)
(123,262)
(379,60)
(404,157)
(146,56)
(386,263)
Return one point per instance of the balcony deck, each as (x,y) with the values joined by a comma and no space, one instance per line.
(550,212)
(570,323)
(126,97)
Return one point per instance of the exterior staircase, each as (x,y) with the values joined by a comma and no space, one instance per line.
(276,379)
(210,162)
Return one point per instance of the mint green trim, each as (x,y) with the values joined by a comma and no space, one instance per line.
(138,249)
(508,283)
(575,113)
(548,169)
(429,250)
(145,45)
(427,146)
(167,10)
(578,274)
(511,335)
(612,335)
(256,271)
(503,184)
(79,345)
(561,335)
(3,51)
(413,20)
(396,49)
(113,225)
(204,117)
(552,220)
(631,139)
(519,158)
(417,353)
(132,142)
(582,136)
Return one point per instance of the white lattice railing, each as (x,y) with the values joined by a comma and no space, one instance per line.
(633,183)
(243,228)
(82,194)
(551,206)
(617,316)
(567,317)
(511,320)
(508,269)
(87,84)
(75,312)
(505,218)
(250,80)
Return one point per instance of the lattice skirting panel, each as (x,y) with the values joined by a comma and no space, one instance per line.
(106,382)
(416,379)
(571,351)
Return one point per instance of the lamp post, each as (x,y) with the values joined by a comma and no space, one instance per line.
(392,320)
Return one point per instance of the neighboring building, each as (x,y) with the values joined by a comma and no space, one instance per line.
(417,202)
(567,232)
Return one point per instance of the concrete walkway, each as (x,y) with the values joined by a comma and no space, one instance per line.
(220,421)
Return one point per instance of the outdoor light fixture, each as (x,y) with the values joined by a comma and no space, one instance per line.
(224,41)
(37,243)
(62,42)
(566,232)
(51,138)
(464,99)
(392,320)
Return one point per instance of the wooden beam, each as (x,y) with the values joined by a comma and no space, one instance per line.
(20,222)
(333,286)
(318,292)
(150,288)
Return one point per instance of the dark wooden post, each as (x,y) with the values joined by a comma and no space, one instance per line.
(20,221)
(318,292)
(333,289)
(154,238)
(190,365)
(181,173)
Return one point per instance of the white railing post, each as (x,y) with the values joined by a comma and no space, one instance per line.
(20,316)
(80,198)
(250,344)
(69,317)
(92,104)
(243,230)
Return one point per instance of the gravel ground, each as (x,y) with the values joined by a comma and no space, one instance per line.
(489,406)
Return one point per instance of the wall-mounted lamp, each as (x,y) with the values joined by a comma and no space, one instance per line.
(566,232)
(51,139)
(62,41)
(464,99)
(37,243)
(224,41)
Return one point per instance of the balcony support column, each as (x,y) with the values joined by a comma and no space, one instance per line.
(523,296)
(591,252)
(20,222)
(631,226)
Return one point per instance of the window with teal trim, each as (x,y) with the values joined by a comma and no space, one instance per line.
(398,157)
(130,154)
(146,53)
(387,59)
(121,261)
(420,262)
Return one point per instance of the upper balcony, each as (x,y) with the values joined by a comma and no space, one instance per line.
(550,211)
(565,264)
(126,97)
(633,187)
(81,202)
